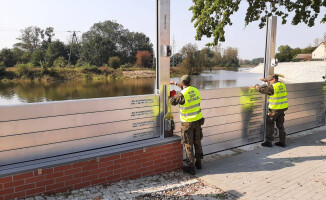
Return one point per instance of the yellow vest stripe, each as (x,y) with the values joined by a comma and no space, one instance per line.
(190,107)
(271,98)
(278,103)
(189,114)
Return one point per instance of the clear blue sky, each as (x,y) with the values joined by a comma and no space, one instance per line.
(139,15)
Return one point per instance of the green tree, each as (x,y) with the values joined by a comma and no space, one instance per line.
(284,54)
(108,39)
(217,59)
(231,57)
(308,49)
(30,38)
(191,62)
(136,42)
(206,55)
(37,57)
(97,50)
(7,57)
(211,17)
(114,62)
(47,37)
(55,50)
(2,68)
(21,56)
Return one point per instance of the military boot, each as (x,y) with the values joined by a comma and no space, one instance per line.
(198,163)
(280,144)
(189,170)
(266,144)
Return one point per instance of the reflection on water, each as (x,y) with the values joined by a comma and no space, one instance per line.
(28,92)
(223,79)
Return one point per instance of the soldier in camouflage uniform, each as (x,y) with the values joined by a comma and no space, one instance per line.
(191,120)
(278,104)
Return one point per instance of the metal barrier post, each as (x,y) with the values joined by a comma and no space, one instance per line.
(163,57)
(269,61)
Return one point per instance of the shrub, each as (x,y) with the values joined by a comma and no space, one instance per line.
(114,62)
(90,68)
(2,68)
(60,62)
(28,71)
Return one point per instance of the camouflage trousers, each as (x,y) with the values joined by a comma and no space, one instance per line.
(191,136)
(272,117)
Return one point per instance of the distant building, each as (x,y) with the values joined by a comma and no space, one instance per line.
(320,52)
(303,57)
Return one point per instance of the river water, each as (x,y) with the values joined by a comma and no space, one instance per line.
(30,92)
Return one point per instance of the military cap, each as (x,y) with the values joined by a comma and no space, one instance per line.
(186,78)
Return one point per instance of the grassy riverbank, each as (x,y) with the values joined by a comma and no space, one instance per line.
(73,73)
(29,73)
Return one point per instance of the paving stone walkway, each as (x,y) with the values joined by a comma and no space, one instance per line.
(295,172)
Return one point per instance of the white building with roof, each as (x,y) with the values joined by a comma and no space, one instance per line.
(320,52)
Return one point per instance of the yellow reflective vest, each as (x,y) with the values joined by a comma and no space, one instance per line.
(190,111)
(280,98)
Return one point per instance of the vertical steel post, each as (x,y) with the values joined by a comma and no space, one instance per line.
(269,61)
(163,58)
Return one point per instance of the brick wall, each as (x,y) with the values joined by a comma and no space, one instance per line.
(113,168)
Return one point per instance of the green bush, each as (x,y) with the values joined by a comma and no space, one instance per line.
(90,68)
(114,62)
(28,71)
(60,62)
(2,68)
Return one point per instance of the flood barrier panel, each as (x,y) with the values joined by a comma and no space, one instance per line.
(235,116)
(36,131)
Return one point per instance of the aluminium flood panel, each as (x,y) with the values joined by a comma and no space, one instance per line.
(235,116)
(44,130)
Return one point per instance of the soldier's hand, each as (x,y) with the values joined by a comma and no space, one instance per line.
(172,82)
(263,79)
(256,86)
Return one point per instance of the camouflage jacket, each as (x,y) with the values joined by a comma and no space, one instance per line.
(265,89)
(178,99)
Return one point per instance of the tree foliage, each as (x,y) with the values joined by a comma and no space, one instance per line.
(107,39)
(144,59)
(211,17)
(7,57)
(104,40)
(55,50)
(191,62)
(30,38)
(287,54)
(114,62)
